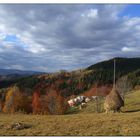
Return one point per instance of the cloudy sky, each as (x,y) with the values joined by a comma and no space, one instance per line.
(55,37)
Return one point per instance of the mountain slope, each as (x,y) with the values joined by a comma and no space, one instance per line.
(80,81)
(123,65)
(9,77)
(104,70)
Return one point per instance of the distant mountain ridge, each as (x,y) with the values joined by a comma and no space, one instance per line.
(4,72)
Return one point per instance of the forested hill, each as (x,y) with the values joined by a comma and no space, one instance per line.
(123,67)
(40,93)
(77,82)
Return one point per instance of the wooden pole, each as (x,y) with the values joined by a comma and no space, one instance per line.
(114,73)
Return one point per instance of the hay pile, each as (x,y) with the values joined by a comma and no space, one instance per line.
(113,101)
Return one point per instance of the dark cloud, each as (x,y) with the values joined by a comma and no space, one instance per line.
(54,37)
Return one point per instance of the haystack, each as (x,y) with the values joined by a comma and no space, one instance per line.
(113,101)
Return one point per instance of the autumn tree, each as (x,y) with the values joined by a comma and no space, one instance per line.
(44,105)
(13,100)
(56,103)
(25,104)
(1,105)
(36,103)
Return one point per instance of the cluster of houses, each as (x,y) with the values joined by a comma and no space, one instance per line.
(81,100)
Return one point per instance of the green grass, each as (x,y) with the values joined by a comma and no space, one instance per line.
(132,102)
(84,123)
(94,107)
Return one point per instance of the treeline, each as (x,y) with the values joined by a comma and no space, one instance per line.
(18,101)
(78,84)
(134,77)
(64,84)
(30,81)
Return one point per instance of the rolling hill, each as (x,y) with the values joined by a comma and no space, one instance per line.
(80,81)
(124,66)
(11,76)
(94,80)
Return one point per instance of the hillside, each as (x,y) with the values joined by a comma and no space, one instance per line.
(98,75)
(81,81)
(11,76)
(84,123)
(132,104)
(37,92)
(123,67)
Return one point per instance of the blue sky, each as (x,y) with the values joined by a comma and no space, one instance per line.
(132,10)
(11,38)
(50,38)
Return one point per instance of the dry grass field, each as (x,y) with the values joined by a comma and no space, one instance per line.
(80,124)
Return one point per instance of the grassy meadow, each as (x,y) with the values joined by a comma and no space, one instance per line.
(83,123)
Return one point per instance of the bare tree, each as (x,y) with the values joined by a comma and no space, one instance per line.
(123,85)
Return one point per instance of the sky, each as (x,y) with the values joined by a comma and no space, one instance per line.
(53,37)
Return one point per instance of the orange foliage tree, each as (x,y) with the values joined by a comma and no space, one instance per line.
(25,104)
(56,103)
(13,100)
(36,103)
(50,103)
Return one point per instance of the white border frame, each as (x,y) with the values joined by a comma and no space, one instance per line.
(72,1)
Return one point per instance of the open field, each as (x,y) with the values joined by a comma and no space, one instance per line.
(75,125)
(81,124)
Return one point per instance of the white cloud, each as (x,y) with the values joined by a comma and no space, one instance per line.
(128,49)
(36,50)
(91,13)
(2,36)
(54,37)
